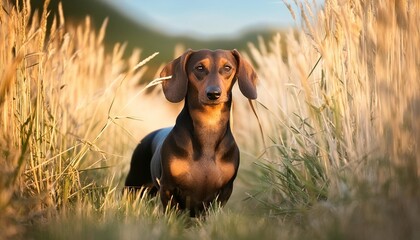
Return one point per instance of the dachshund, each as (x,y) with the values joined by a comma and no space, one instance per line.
(196,161)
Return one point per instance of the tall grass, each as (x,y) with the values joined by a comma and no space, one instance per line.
(339,110)
(66,113)
(340,114)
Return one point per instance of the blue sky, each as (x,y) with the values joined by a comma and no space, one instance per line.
(211,18)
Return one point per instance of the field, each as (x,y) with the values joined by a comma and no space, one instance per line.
(337,158)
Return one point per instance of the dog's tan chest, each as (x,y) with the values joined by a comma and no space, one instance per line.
(179,167)
(201,174)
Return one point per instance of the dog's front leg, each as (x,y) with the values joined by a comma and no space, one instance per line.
(225,192)
(167,198)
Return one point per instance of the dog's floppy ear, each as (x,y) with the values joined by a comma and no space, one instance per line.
(175,89)
(247,78)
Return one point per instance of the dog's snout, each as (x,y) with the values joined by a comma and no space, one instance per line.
(213,92)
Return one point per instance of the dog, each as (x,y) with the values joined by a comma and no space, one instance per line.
(195,162)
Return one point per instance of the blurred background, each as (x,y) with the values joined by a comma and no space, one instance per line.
(162,26)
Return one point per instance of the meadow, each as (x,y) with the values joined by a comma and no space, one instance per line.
(337,157)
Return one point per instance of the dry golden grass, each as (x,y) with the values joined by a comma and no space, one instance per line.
(68,111)
(352,73)
(341,118)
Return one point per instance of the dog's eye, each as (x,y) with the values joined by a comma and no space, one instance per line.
(200,68)
(227,68)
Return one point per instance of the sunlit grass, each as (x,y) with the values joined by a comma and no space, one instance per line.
(65,114)
(340,119)
(339,110)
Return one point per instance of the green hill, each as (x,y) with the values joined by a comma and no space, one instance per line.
(123,29)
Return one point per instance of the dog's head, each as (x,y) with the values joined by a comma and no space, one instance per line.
(210,75)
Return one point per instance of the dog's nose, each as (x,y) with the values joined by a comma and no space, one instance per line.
(213,92)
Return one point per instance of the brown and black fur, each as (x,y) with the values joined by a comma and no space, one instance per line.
(196,161)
